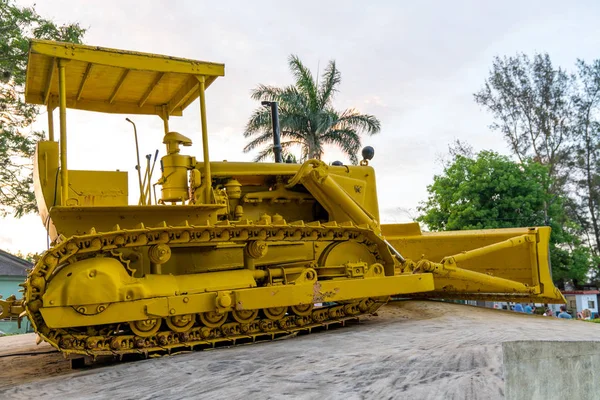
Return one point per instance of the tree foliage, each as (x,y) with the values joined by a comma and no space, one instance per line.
(584,163)
(307,117)
(491,191)
(31,257)
(553,116)
(488,191)
(531,105)
(17,25)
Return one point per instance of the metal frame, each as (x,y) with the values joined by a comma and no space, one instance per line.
(199,75)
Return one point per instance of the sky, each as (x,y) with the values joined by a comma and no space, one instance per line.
(414,65)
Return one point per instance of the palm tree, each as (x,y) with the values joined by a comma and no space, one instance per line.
(307,117)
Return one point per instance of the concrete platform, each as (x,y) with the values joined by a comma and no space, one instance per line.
(551,370)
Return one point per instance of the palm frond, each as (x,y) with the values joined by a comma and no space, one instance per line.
(294,136)
(304,80)
(327,119)
(331,79)
(293,122)
(259,121)
(267,137)
(268,151)
(346,139)
(361,122)
(262,139)
(266,93)
(291,98)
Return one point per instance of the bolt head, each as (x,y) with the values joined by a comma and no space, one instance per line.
(224,301)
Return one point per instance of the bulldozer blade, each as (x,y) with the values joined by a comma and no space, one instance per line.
(494,264)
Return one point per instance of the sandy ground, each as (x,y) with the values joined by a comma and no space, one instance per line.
(412,350)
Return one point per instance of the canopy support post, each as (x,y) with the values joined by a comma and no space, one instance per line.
(207,176)
(50,111)
(165,118)
(62,101)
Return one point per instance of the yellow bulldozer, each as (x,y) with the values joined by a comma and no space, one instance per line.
(229,251)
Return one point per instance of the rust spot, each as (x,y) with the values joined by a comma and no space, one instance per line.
(317,292)
(319,297)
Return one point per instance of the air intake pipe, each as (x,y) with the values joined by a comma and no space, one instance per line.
(276,134)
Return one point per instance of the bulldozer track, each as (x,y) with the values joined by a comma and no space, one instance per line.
(119,339)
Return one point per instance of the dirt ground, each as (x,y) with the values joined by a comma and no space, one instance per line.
(412,350)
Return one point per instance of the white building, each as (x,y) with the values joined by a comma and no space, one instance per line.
(579,300)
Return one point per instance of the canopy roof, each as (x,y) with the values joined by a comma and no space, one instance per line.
(115,81)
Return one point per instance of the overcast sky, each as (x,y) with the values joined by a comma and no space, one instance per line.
(414,65)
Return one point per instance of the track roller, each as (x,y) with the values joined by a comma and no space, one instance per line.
(181,323)
(275,313)
(303,310)
(212,319)
(145,328)
(244,316)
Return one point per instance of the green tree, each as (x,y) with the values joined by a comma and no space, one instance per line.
(553,116)
(17,24)
(531,105)
(585,159)
(307,117)
(31,257)
(491,191)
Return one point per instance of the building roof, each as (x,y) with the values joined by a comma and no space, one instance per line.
(580,292)
(12,265)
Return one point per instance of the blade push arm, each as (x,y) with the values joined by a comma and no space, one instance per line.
(486,264)
(12,308)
